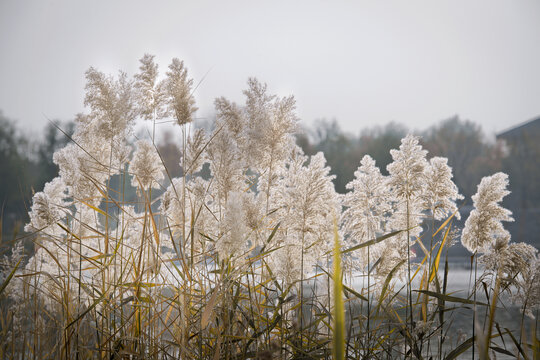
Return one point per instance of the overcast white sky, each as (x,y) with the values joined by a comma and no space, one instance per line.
(361,62)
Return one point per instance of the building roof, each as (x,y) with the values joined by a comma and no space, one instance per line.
(531,127)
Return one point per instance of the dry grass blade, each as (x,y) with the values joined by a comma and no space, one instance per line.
(209,308)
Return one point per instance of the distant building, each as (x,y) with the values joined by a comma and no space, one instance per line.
(530,126)
(522,163)
(522,140)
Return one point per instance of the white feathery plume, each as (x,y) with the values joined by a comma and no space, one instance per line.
(48,208)
(86,225)
(230,116)
(285,263)
(81,174)
(407,181)
(528,286)
(307,203)
(263,128)
(84,172)
(171,206)
(178,89)
(101,154)
(146,166)
(508,260)
(407,178)
(253,212)
(195,152)
(271,121)
(198,216)
(484,224)
(150,93)
(440,193)
(99,149)
(251,143)
(233,227)
(367,208)
(111,102)
(226,164)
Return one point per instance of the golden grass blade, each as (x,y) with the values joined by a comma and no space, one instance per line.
(339,309)
(96,209)
(445,223)
(435,267)
(67,231)
(419,267)
(424,303)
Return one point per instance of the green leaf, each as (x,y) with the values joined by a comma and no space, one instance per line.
(8,279)
(517,343)
(354,292)
(460,349)
(98,300)
(372,241)
(449,298)
(501,350)
(346,288)
(388,279)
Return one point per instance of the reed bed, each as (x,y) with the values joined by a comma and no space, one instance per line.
(261,258)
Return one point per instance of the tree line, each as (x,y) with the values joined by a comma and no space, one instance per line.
(469,151)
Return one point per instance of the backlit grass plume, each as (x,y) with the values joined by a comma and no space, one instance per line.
(239,256)
(484,225)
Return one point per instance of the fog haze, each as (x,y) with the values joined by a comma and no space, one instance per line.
(361,62)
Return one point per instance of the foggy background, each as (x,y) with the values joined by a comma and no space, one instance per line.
(361,62)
